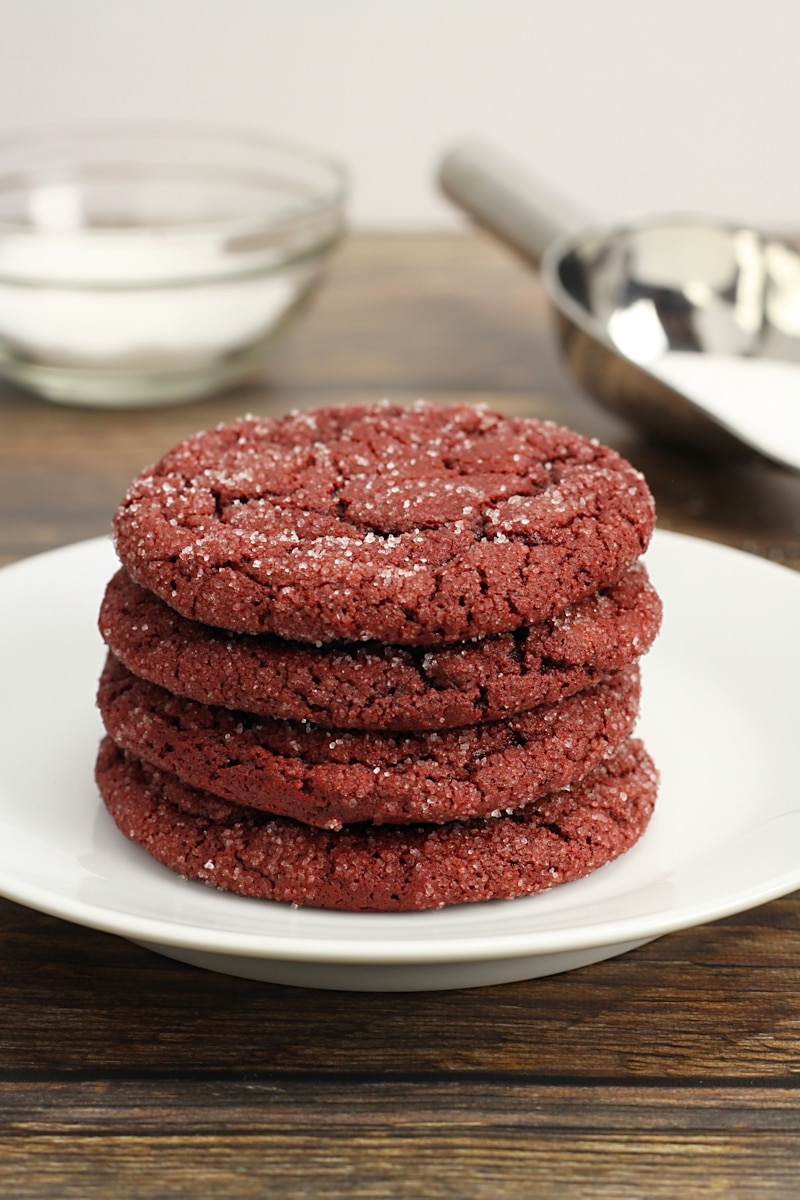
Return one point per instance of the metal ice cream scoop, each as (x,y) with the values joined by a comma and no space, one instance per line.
(686,327)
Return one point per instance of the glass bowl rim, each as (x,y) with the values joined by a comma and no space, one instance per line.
(323,200)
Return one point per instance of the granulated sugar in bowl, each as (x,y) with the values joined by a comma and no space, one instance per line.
(148,264)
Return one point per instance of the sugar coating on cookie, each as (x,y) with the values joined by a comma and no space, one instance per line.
(331,777)
(413,525)
(559,838)
(369,685)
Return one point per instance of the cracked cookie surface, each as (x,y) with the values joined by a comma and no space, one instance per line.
(564,836)
(332,777)
(372,686)
(420,525)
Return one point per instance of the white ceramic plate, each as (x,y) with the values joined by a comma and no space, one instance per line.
(719,716)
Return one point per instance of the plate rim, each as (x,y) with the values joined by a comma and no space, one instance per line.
(342,951)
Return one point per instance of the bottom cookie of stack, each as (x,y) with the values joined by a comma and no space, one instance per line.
(389,868)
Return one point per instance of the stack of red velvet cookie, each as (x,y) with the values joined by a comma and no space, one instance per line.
(378,658)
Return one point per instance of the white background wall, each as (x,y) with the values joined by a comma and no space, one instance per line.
(622,105)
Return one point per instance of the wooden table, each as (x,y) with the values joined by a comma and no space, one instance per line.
(672,1071)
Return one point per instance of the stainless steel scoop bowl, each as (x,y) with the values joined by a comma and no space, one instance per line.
(688,328)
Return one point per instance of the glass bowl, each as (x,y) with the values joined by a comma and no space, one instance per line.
(142,265)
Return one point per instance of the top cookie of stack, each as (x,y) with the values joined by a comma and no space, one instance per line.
(407,526)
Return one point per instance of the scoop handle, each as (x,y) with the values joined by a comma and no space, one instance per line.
(505,199)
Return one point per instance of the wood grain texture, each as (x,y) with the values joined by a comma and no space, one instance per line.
(373,1164)
(673,1071)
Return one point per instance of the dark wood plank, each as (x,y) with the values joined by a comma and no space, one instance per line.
(433,1103)
(374,1164)
(430,1137)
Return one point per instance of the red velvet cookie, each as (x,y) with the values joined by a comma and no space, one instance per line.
(393,868)
(353,685)
(330,777)
(409,526)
